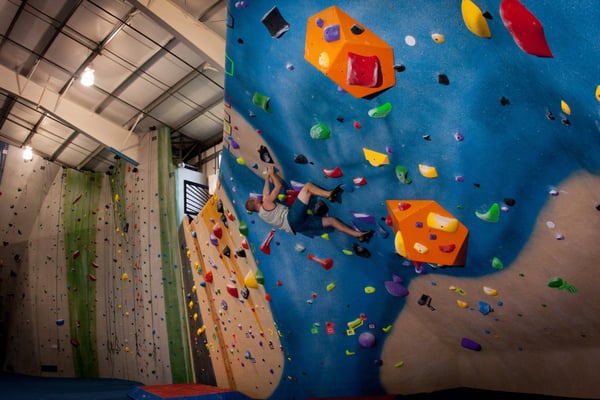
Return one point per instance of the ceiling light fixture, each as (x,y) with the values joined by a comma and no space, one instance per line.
(87,78)
(28,153)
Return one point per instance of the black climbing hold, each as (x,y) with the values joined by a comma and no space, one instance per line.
(399,67)
(220,205)
(504,101)
(241,253)
(509,202)
(550,116)
(275,23)
(424,299)
(598,207)
(361,251)
(301,159)
(264,155)
(240,41)
(357,30)
(224,220)
(443,79)
(227,252)
(427,137)
(487,15)
(340,119)
(476,185)
(565,122)
(134,170)
(245,292)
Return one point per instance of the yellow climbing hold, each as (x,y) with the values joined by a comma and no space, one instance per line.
(325,236)
(457,290)
(598,92)
(369,290)
(399,244)
(386,329)
(330,287)
(124,277)
(347,252)
(375,158)
(474,19)
(438,38)
(428,171)
(489,291)
(191,304)
(420,248)
(462,304)
(116,197)
(350,353)
(399,364)
(565,107)
(195,317)
(240,161)
(250,280)
(439,222)
(201,330)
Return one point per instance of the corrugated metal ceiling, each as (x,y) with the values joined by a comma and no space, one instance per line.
(156,63)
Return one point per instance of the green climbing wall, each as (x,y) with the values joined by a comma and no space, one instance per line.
(171,262)
(82,196)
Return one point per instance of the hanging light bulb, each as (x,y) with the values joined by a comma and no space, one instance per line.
(27,153)
(87,78)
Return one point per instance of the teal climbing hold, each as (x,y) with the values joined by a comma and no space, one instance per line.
(381,112)
(320,131)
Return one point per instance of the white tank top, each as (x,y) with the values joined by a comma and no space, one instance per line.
(277,217)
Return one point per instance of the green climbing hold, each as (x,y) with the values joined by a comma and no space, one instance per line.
(491,215)
(320,131)
(402,174)
(380,112)
(244,228)
(497,263)
(556,282)
(260,278)
(261,101)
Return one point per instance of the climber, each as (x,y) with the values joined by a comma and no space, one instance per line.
(295,219)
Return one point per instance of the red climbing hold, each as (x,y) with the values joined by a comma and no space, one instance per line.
(333,173)
(526,30)
(325,263)
(217,231)
(447,248)
(208,277)
(232,290)
(265,247)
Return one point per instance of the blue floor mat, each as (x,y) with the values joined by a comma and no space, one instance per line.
(23,387)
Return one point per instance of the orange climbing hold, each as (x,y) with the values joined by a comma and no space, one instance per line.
(426,232)
(348,53)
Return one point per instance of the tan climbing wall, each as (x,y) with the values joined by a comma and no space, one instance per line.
(239,332)
(131,327)
(29,220)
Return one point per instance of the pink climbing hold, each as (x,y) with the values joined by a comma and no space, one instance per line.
(265,247)
(326,263)
(526,30)
(333,173)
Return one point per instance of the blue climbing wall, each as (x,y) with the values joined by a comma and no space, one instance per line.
(517,145)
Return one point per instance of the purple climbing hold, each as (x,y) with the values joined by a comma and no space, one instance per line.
(470,344)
